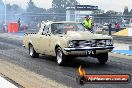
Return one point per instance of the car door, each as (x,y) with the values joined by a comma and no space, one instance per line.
(44,41)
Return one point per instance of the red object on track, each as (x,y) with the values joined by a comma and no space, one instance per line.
(13,27)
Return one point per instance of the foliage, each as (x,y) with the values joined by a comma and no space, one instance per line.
(34,13)
(56,13)
(130,12)
(111,12)
(34,9)
(14,9)
(59,6)
(126,11)
(99,11)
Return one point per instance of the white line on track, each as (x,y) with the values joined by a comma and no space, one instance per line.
(6,84)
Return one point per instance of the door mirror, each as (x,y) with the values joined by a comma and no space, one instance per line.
(46,34)
(49,34)
(43,33)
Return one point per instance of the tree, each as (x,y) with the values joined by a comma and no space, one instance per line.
(126,11)
(111,12)
(31,6)
(99,11)
(13,12)
(34,9)
(59,6)
(14,9)
(130,12)
(72,3)
(34,13)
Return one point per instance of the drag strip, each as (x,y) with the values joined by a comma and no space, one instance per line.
(6,84)
(123,39)
(12,51)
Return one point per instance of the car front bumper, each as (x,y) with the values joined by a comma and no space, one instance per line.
(82,51)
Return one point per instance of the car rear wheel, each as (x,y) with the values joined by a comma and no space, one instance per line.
(102,58)
(32,52)
(60,57)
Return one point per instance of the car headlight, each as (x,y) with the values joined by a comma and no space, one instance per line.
(71,44)
(93,43)
(109,42)
(102,42)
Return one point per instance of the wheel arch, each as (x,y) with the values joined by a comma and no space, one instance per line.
(57,45)
(30,43)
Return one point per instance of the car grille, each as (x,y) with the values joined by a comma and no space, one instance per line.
(91,43)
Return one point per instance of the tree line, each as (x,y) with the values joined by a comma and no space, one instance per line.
(57,12)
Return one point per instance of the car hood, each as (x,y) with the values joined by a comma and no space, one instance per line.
(84,35)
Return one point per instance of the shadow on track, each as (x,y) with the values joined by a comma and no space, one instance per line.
(86,62)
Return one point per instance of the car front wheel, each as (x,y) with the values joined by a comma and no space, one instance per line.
(60,57)
(102,58)
(32,52)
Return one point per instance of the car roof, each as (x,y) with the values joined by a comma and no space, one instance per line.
(64,22)
(50,22)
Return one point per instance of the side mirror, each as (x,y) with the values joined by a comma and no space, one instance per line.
(46,34)
(49,34)
(43,33)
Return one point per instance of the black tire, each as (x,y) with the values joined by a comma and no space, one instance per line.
(81,80)
(32,52)
(60,57)
(70,58)
(102,58)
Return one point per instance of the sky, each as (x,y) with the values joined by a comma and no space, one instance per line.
(116,5)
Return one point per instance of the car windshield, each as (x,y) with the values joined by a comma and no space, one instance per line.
(60,28)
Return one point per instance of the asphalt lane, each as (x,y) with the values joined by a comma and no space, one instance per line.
(12,51)
(123,39)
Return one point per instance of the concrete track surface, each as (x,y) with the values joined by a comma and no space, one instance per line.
(13,52)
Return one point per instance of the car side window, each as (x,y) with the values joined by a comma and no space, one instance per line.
(45,30)
(53,28)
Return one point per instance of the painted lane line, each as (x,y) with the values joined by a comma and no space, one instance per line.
(122,53)
(6,84)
